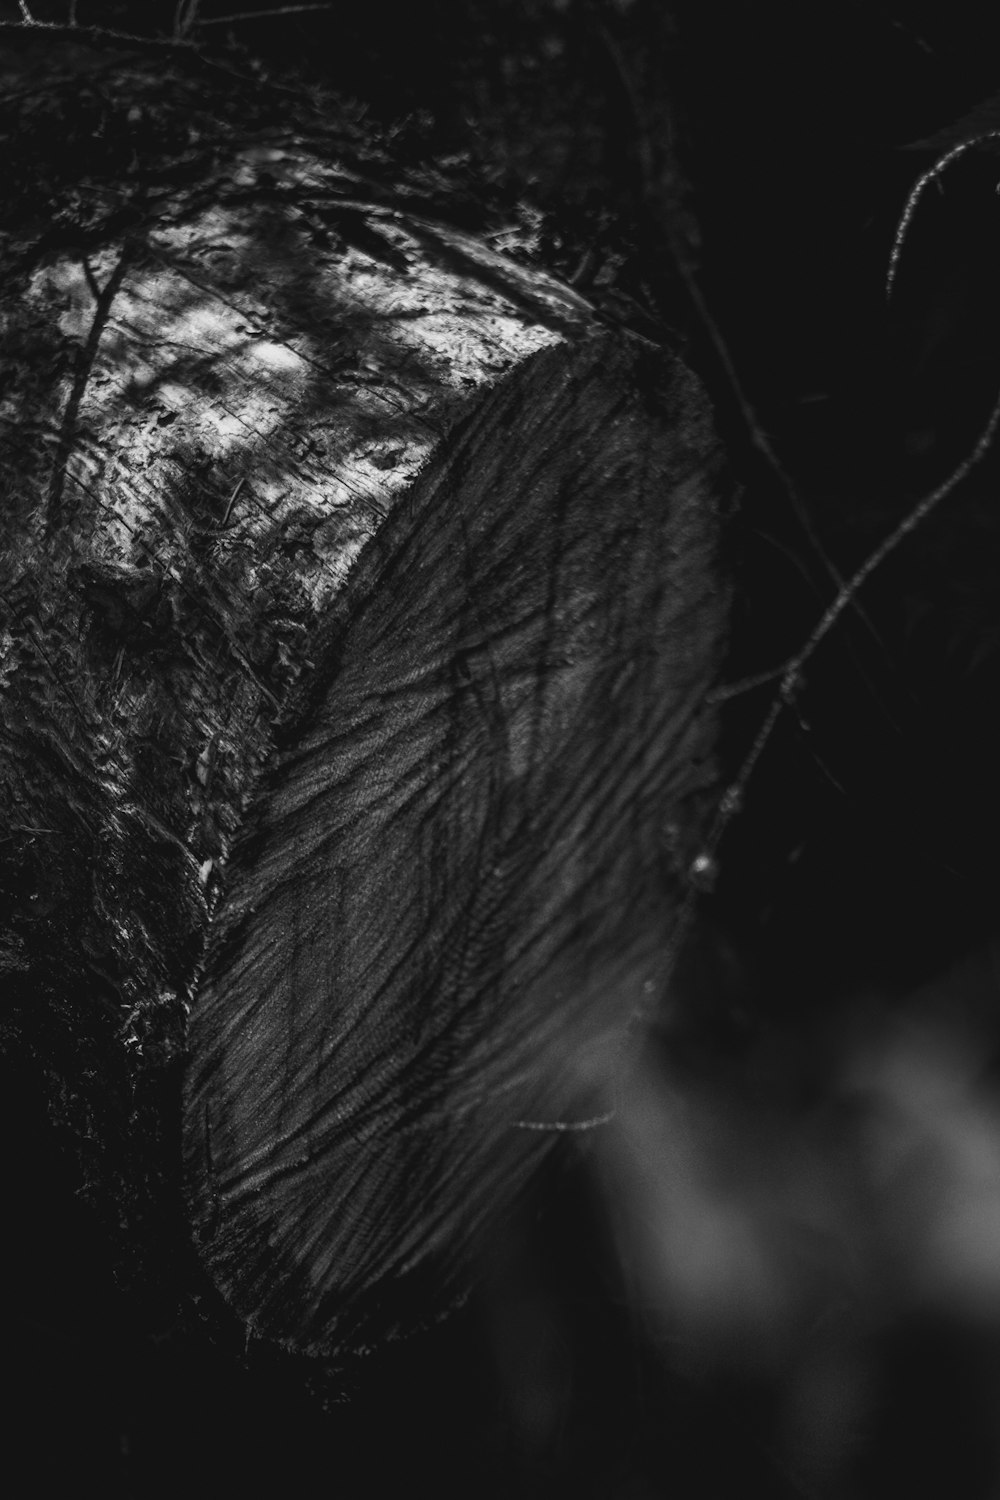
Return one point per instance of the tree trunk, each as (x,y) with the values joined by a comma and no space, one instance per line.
(359,611)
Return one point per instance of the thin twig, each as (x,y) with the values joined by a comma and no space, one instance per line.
(232,501)
(704,868)
(256,15)
(662,227)
(185,16)
(744,685)
(916,193)
(791,676)
(86,358)
(101,33)
(556,1127)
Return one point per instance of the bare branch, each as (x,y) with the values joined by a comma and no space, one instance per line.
(108,33)
(791,674)
(916,193)
(185,16)
(256,15)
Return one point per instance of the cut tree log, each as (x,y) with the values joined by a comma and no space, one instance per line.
(359,607)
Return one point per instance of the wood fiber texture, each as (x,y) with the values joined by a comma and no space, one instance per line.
(289,458)
(225,353)
(463,878)
(231,335)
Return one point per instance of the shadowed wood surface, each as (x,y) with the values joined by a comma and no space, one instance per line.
(463,879)
(211,398)
(740,1169)
(241,365)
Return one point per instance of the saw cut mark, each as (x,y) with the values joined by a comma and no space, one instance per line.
(453,894)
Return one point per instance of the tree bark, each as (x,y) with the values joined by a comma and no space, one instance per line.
(359,610)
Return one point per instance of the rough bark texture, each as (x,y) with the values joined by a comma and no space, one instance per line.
(232,379)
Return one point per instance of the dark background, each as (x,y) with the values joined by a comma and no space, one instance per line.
(731,178)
